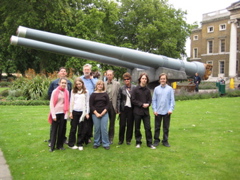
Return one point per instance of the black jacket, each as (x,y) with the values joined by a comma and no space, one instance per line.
(122,97)
(141,95)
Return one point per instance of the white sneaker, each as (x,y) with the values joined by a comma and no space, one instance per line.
(138,146)
(80,148)
(74,147)
(152,147)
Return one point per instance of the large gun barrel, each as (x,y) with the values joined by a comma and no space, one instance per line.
(120,53)
(72,52)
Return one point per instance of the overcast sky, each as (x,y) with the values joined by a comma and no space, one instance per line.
(195,9)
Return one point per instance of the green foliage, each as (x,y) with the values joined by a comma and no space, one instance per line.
(31,89)
(4,93)
(207,85)
(184,95)
(153,26)
(21,102)
(232,93)
(5,84)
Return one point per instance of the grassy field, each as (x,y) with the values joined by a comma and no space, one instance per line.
(204,138)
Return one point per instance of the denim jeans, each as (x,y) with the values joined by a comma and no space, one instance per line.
(100,130)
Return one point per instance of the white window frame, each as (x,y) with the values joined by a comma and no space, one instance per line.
(221,28)
(210,29)
(195,37)
(220,46)
(208,52)
(219,68)
(195,55)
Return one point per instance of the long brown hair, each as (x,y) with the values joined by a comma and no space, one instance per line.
(75,89)
(141,75)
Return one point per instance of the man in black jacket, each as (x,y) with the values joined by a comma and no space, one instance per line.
(141,99)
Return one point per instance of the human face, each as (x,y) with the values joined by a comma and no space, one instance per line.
(100,87)
(127,81)
(63,83)
(86,71)
(143,80)
(163,80)
(110,76)
(62,73)
(79,84)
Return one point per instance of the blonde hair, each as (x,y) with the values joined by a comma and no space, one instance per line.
(100,82)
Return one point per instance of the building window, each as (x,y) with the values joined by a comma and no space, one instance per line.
(210,47)
(222,45)
(210,29)
(195,37)
(222,27)
(195,53)
(221,67)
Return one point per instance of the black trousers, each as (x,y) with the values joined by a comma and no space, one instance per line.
(166,124)
(57,133)
(126,121)
(80,128)
(89,122)
(147,127)
(64,131)
(112,117)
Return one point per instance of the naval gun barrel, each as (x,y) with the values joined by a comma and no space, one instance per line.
(72,52)
(120,53)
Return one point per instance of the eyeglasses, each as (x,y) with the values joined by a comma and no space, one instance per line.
(126,79)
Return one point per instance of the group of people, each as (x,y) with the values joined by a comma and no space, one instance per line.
(92,104)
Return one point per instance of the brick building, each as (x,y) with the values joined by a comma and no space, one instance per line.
(217,42)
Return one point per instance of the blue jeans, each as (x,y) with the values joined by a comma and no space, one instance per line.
(100,130)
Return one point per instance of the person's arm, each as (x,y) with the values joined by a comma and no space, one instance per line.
(52,110)
(87,105)
(119,98)
(71,104)
(172,102)
(154,102)
(107,104)
(149,97)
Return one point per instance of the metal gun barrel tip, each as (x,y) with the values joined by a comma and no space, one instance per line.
(14,40)
(21,31)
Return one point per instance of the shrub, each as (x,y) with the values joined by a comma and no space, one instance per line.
(5,84)
(34,88)
(25,102)
(4,93)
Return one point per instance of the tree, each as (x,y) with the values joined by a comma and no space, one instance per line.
(45,15)
(153,26)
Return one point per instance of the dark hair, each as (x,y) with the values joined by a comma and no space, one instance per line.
(127,75)
(62,79)
(75,89)
(95,74)
(163,74)
(141,75)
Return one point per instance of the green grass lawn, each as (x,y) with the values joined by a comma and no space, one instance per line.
(204,138)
